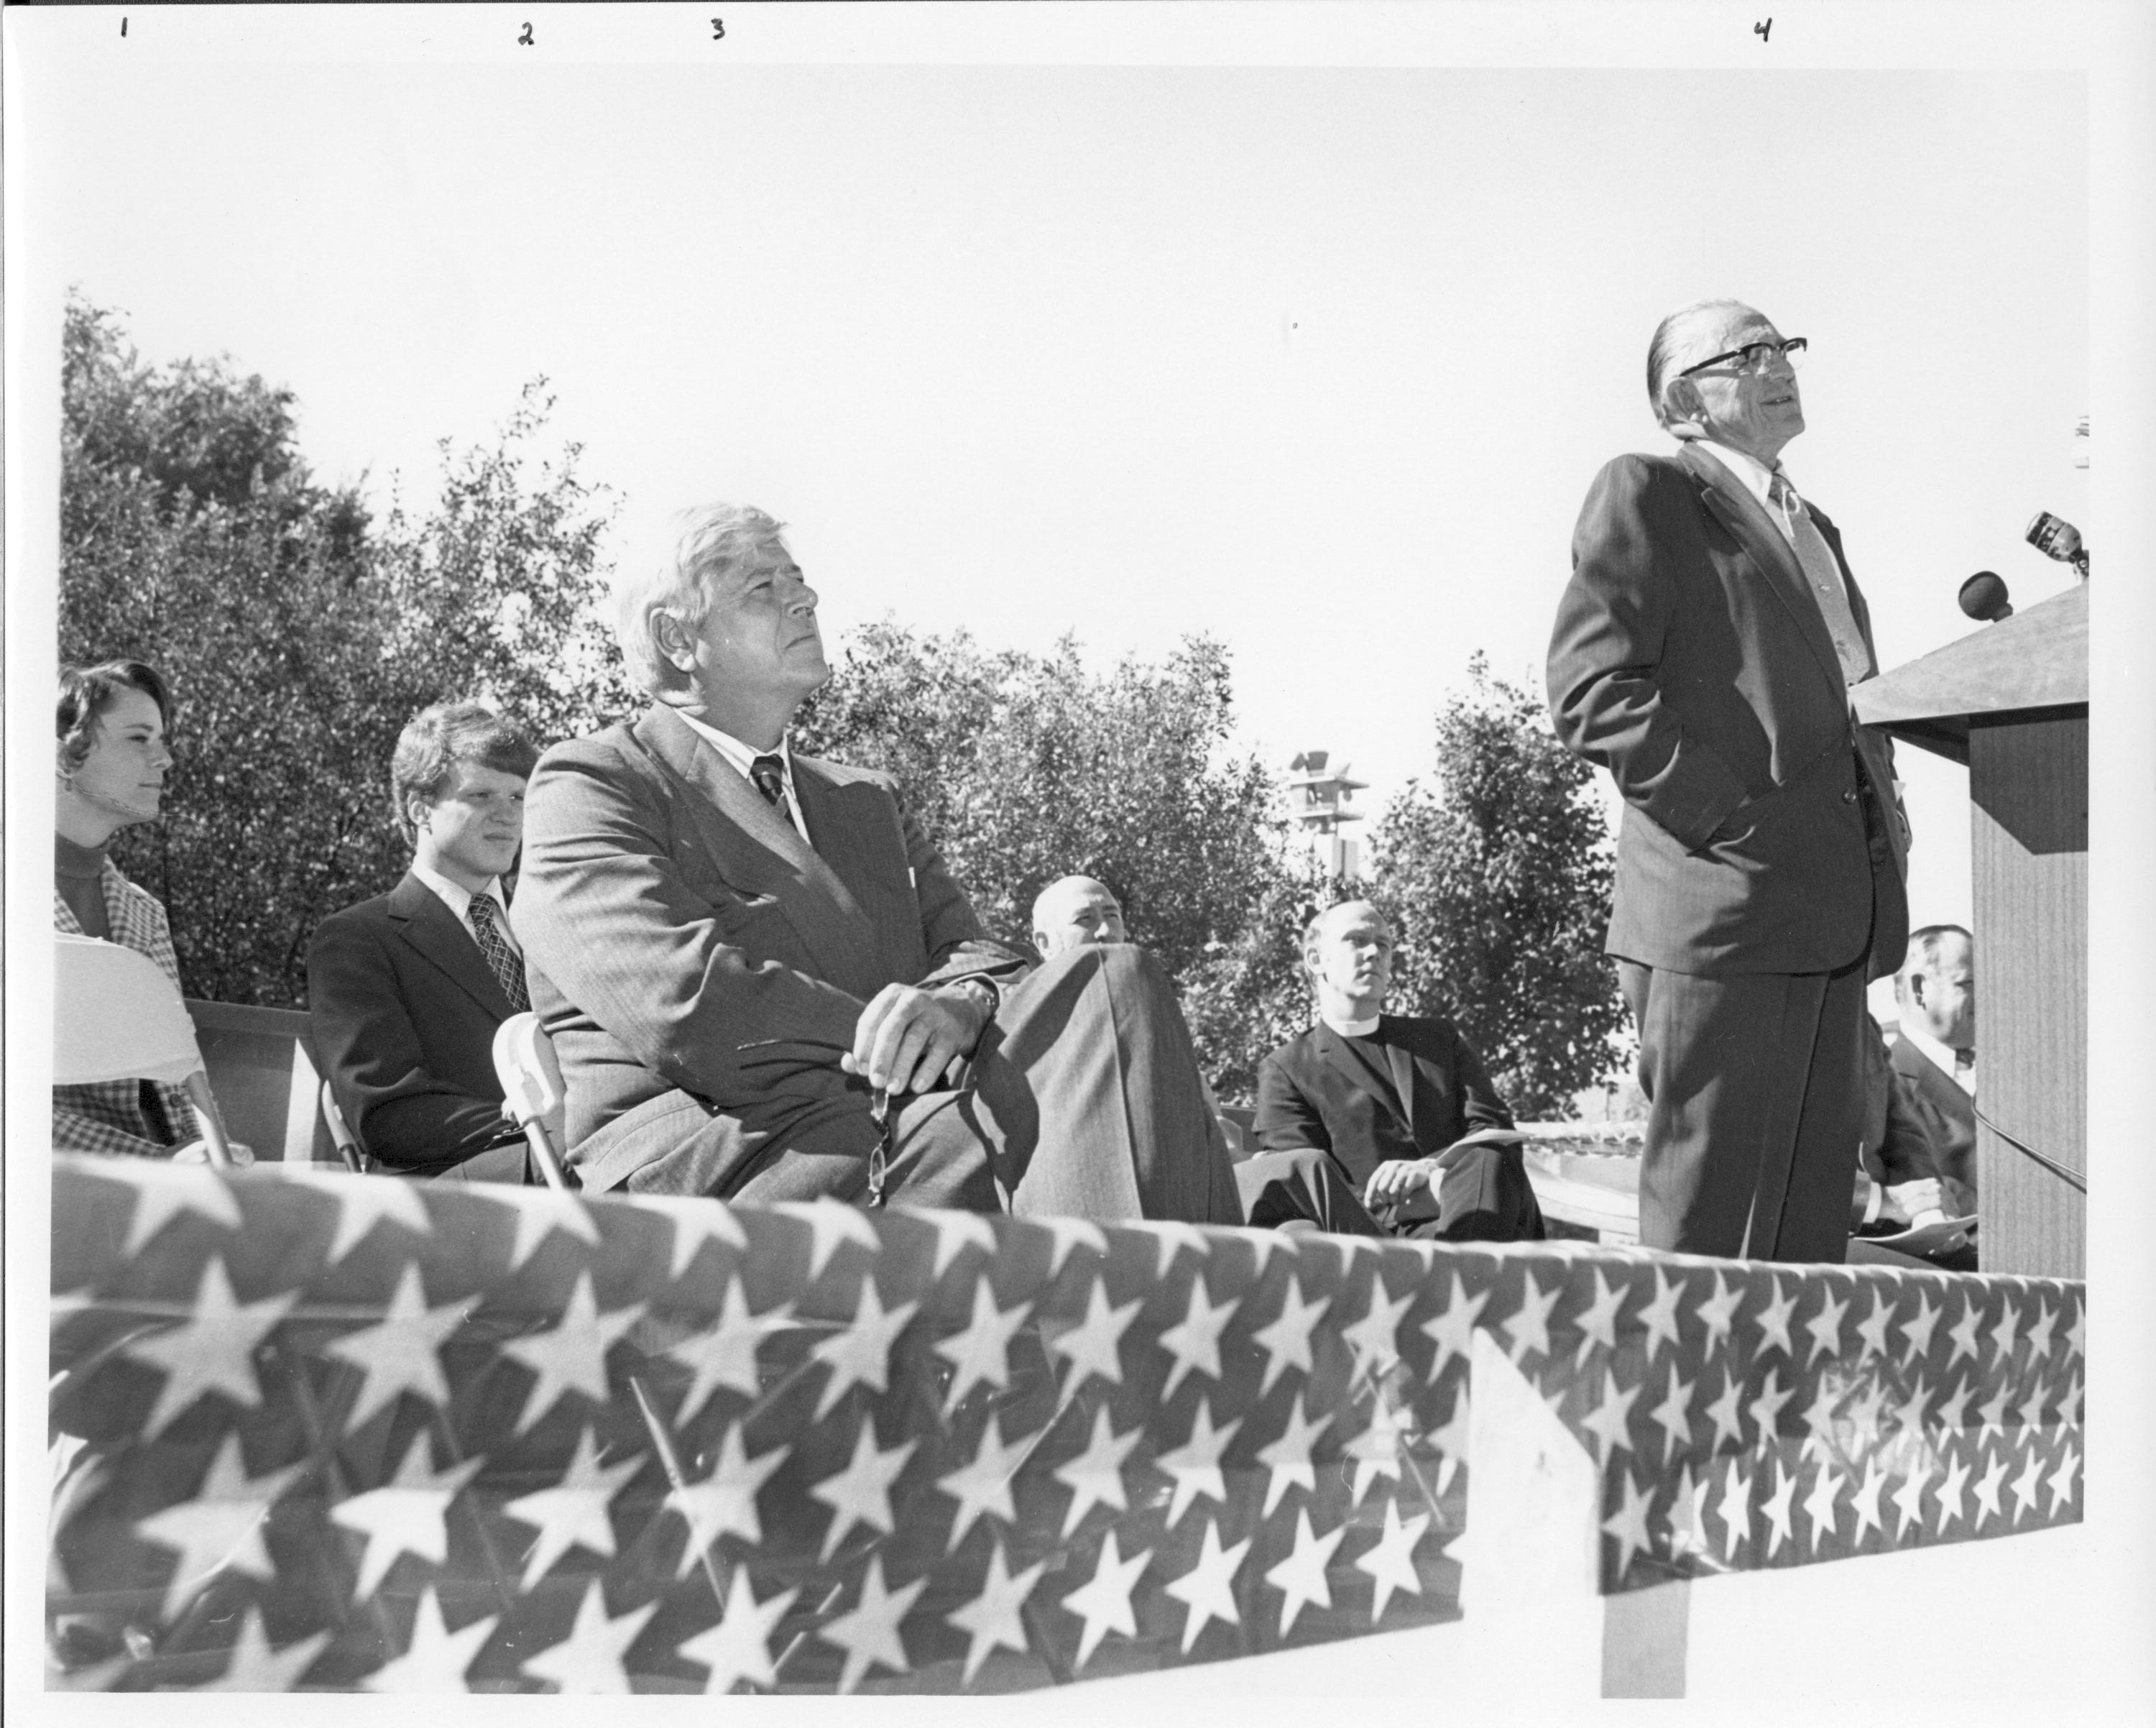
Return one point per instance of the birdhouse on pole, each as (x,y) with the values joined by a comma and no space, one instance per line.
(1320,800)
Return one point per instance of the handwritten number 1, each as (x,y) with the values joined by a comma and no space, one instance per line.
(1761,30)
(525,40)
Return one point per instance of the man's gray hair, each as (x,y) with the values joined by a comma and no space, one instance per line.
(678,571)
(1923,954)
(1662,351)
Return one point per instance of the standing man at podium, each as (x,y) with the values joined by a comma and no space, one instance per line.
(1703,654)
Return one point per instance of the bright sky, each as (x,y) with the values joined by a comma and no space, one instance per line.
(1319,360)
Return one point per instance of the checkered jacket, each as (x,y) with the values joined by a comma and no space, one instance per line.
(114,1115)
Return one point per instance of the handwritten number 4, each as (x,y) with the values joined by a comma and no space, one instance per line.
(1761,30)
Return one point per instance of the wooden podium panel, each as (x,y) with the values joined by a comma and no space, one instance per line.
(2028,792)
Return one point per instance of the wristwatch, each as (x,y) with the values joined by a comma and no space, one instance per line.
(983,992)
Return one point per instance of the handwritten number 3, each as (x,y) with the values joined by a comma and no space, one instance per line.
(525,40)
(718,29)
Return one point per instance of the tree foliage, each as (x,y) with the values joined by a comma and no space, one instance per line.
(1497,883)
(300,635)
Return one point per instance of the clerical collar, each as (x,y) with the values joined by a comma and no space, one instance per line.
(1353,1028)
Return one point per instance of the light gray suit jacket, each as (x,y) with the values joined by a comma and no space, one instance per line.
(669,916)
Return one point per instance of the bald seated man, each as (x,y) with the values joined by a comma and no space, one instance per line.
(1381,1124)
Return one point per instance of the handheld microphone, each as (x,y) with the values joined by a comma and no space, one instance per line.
(2056,537)
(1984,598)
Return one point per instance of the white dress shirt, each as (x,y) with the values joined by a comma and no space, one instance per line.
(741,758)
(459,900)
(1755,476)
(1940,1058)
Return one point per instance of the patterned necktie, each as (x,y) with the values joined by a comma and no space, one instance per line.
(500,959)
(1823,576)
(769,774)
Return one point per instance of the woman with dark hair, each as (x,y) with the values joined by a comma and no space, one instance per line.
(112,723)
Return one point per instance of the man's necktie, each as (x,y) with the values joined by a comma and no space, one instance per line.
(500,959)
(769,774)
(1823,576)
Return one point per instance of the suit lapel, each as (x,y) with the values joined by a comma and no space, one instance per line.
(753,841)
(433,932)
(1402,1064)
(1352,1068)
(1754,531)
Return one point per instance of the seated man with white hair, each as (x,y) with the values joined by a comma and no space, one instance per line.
(762,982)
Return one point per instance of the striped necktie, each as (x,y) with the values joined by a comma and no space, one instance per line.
(769,774)
(501,959)
(1823,576)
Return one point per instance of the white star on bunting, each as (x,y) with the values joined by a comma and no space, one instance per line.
(1450,1438)
(1597,1325)
(1263,1245)
(1673,1415)
(868,1632)
(981,1354)
(363,1202)
(1773,1322)
(1964,1332)
(831,1224)
(1951,1413)
(571,1357)
(1916,1330)
(1780,1524)
(1452,1327)
(1094,1477)
(1610,1420)
(724,1356)
(724,1502)
(1725,1411)
(1909,1498)
(1195,1464)
(1195,1341)
(1172,1238)
(1628,1523)
(2040,1334)
(589,1660)
(1092,1347)
(2031,1409)
(1871,1329)
(1286,1339)
(696,1223)
(1987,1491)
(1377,1449)
(1375,1338)
(1820,1507)
(1659,1316)
(1719,1310)
(860,1354)
(1864,1501)
(2078,1333)
(2061,1483)
(1736,1510)
(1766,1409)
(984,1485)
(212,1350)
(220,1528)
(993,1620)
(2002,1336)
(1825,1327)
(1688,1515)
(163,1191)
(1528,1326)
(434,1658)
(407,1515)
(1950,1493)
(860,1493)
(1301,1578)
(2028,1485)
(256,1667)
(539,1212)
(1071,1233)
(955,1232)
(1288,1457)
(739,1647)
(1208,1589)
(574,1511)
(1391,1563)
(1103,1601)
(397,1355)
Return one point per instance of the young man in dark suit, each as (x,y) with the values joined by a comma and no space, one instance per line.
(1362,1118)
(1703,653)
(405,990)
(760,980)
(1935,1056)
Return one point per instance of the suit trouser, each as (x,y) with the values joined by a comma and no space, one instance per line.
(1483,1195)
(1755,1095)
(1085,1101)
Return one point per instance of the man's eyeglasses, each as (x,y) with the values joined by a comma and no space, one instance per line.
(1757,356)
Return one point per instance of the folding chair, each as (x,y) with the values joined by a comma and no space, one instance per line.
(531,1090)
(115,1017)
(346,1141)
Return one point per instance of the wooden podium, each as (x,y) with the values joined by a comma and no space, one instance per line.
(2010,703)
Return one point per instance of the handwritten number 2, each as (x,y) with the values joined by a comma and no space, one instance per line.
(1761,30)
(718,29)
(525,40)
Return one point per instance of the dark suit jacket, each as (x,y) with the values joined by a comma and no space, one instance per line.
(1689,659)
(1314,1090)
(404,1010)
(1947,1113)
(1898,1144)
(669,916)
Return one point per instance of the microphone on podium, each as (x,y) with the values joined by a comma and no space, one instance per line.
(2056,537)
(1984,598)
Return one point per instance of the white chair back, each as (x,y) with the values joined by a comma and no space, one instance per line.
(531,1090)
(115,1017)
